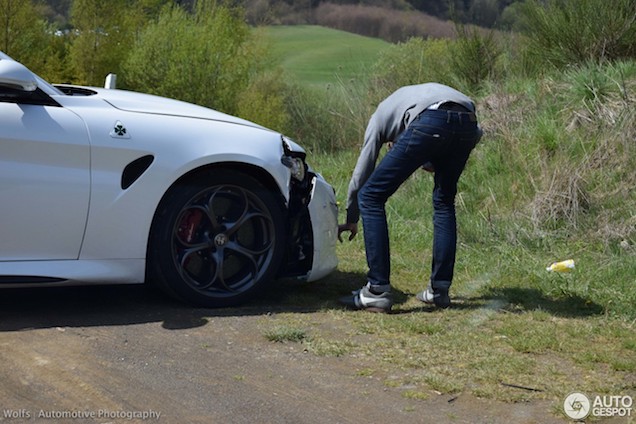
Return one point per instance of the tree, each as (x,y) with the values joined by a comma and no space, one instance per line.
(206,57)
(484,12)
(103,32)
(22,29)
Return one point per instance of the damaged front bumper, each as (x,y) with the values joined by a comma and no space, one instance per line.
(312,224)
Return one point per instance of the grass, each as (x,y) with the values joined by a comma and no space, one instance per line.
(515,324)
(320,56)
(285,333)
(517,332)
(553,179)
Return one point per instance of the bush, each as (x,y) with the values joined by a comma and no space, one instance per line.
(474,57)
(264,102)
(564,32)
(515,61)
(464,63)
(205,58)
(414,62)
(27,37)
(102,33)
(559,152)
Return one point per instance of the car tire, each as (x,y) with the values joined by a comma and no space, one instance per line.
(217,239)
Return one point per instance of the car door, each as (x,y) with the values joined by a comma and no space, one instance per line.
(44,179)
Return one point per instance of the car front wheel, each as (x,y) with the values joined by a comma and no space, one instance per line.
(216,240)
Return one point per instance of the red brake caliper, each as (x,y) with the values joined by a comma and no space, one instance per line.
(189,224)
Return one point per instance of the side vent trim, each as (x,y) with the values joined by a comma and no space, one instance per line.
(134,170)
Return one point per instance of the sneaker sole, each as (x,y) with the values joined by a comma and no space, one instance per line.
(348,303)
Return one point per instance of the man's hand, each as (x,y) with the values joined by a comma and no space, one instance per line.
(351,227)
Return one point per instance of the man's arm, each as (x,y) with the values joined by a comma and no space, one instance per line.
(365,165)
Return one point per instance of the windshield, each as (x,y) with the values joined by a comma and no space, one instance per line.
(48,88)
(42,85)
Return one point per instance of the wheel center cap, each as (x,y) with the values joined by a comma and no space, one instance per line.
(220,239)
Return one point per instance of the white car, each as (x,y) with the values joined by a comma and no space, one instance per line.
(104,186)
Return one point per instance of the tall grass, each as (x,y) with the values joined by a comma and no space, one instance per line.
(566,32)
(327,119)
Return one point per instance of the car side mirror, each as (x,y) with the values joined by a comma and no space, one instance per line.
(15,75)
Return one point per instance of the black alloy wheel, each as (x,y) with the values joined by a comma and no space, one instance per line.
(215,242)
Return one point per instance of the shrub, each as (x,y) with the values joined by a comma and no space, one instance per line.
(464,63)
(412,62)
(103,31)
(563,32)
(205,57)
(263,102)
(474,57)
(27,37)
(515,61)
(559,151)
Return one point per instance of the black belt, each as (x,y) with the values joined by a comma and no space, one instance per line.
(462,111)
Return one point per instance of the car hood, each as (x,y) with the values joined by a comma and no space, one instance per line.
(147,103)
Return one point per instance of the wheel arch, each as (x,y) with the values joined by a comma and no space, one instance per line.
(254,171)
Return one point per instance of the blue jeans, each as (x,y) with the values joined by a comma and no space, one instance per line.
(444,138)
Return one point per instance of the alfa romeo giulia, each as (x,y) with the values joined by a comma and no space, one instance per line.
(106,186)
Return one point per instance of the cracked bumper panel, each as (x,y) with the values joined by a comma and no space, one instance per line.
(323,211)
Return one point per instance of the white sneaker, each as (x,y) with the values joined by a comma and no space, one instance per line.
(441,299)
(366,300)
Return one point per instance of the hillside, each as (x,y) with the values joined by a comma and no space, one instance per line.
(320,56)
(487,13)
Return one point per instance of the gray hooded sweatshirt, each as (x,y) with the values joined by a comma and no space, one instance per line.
(390,119)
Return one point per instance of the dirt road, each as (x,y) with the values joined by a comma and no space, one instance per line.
(126,355)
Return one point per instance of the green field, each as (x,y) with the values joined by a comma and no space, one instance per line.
(321,56)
